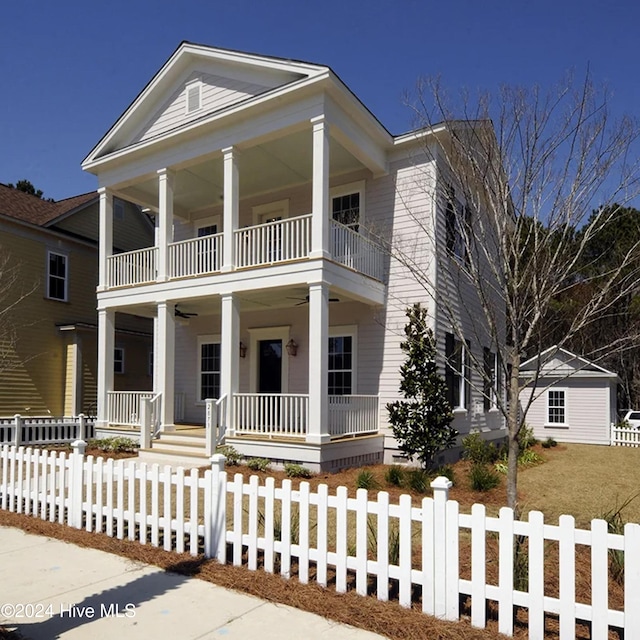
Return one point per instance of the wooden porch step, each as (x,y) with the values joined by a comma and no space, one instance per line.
(174,458)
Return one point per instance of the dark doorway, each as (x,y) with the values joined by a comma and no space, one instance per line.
(270,366)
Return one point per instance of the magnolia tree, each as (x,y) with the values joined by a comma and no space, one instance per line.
(421,423)
(525,181)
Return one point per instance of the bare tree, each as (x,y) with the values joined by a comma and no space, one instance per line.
(525,180)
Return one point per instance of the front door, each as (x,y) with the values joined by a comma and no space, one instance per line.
(270,366)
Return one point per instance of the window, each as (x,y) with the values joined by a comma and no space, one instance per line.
(118,360)
(209,370)
(194,96)
(118,209)
(492,380)
(340,365)
(557,406)
(457,221)
(57,276)
(347,205)
(457,372)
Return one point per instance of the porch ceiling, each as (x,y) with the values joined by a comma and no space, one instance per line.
(272,165)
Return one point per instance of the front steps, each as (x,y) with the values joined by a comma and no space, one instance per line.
(184,447)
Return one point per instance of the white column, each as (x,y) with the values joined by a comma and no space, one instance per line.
(318,363)
(230,355)
(106,236)
(320,189)
(164,381)
(76,392)
(165,221)
(106,343)
(230,207)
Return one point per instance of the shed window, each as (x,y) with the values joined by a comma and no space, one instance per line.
(557,406)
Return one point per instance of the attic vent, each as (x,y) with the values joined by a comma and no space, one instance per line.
(194,96)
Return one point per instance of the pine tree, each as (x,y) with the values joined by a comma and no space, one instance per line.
(422,422)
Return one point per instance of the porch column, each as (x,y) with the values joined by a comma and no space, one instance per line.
(320,189)
(106,343)
(76,389)
(165,221)
(164,375)
(105,247)
(230,355)
(318,363)
(230,207)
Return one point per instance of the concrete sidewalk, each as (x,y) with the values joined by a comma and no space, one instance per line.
(52,589)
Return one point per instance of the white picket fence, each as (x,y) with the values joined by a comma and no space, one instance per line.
(401,549)
(20,430)
(624,437)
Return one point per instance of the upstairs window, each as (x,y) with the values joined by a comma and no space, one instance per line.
(194,96)
(118,209)
(457,223)
(118,360)
(57,276)
(492,379)
(347,204)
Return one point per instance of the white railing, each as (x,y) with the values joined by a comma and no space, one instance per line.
(150,419)
(353,415)
(277,241)
(624,437)
(45,430)
(123,407)
(195,257)
(215,423)
(434,556)
(355,251)
(132,267)
(280,414)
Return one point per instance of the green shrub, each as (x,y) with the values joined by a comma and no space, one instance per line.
(446,471)
(549,442)
(296,470)
(526,438)
(366,480)
(478,450)
(232,455)
(418,480)
(258,464)
(395,475)
(483,478)
(528,458)
(115,445)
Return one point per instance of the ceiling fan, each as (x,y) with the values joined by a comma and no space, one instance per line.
(305,300)
(184,314)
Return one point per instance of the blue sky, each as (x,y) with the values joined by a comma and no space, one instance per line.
(70,68)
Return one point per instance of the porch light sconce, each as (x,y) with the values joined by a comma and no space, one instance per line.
(292,347)
(243,349)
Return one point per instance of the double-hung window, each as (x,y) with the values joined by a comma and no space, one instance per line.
(341,358)
(118,360)
(457,225)
(347,205)
(457,370)
(57,276)
(492,379)
(208,368)
(557,407)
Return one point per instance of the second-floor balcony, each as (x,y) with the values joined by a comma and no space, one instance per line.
(256,246)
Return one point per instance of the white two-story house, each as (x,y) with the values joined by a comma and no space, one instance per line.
(278,312)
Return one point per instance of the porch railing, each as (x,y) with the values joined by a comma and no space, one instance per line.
(356,251)
(282,414)
(195,257)
(132,267)
(123,407)
(277,241)
(353,415)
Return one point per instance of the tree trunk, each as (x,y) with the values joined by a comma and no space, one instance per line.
(513,431)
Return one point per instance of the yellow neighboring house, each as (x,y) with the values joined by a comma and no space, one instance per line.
(48,318)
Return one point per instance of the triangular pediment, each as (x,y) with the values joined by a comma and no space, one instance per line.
(195,83)
(559,362)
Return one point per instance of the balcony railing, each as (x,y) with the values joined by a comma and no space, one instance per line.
(256,246)
(353,415)
(132,267)
(356,251)
(276,241)
(195,257)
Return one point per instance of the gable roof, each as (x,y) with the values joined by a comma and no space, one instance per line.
(42,213)
(559,362)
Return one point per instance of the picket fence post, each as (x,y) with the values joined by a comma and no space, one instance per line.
(17,430)
(82,427)
(76,473)
(440,486)
(215,540)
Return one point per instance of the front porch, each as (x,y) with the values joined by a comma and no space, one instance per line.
(274,426)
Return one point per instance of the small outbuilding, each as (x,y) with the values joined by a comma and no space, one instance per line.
(574,400)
